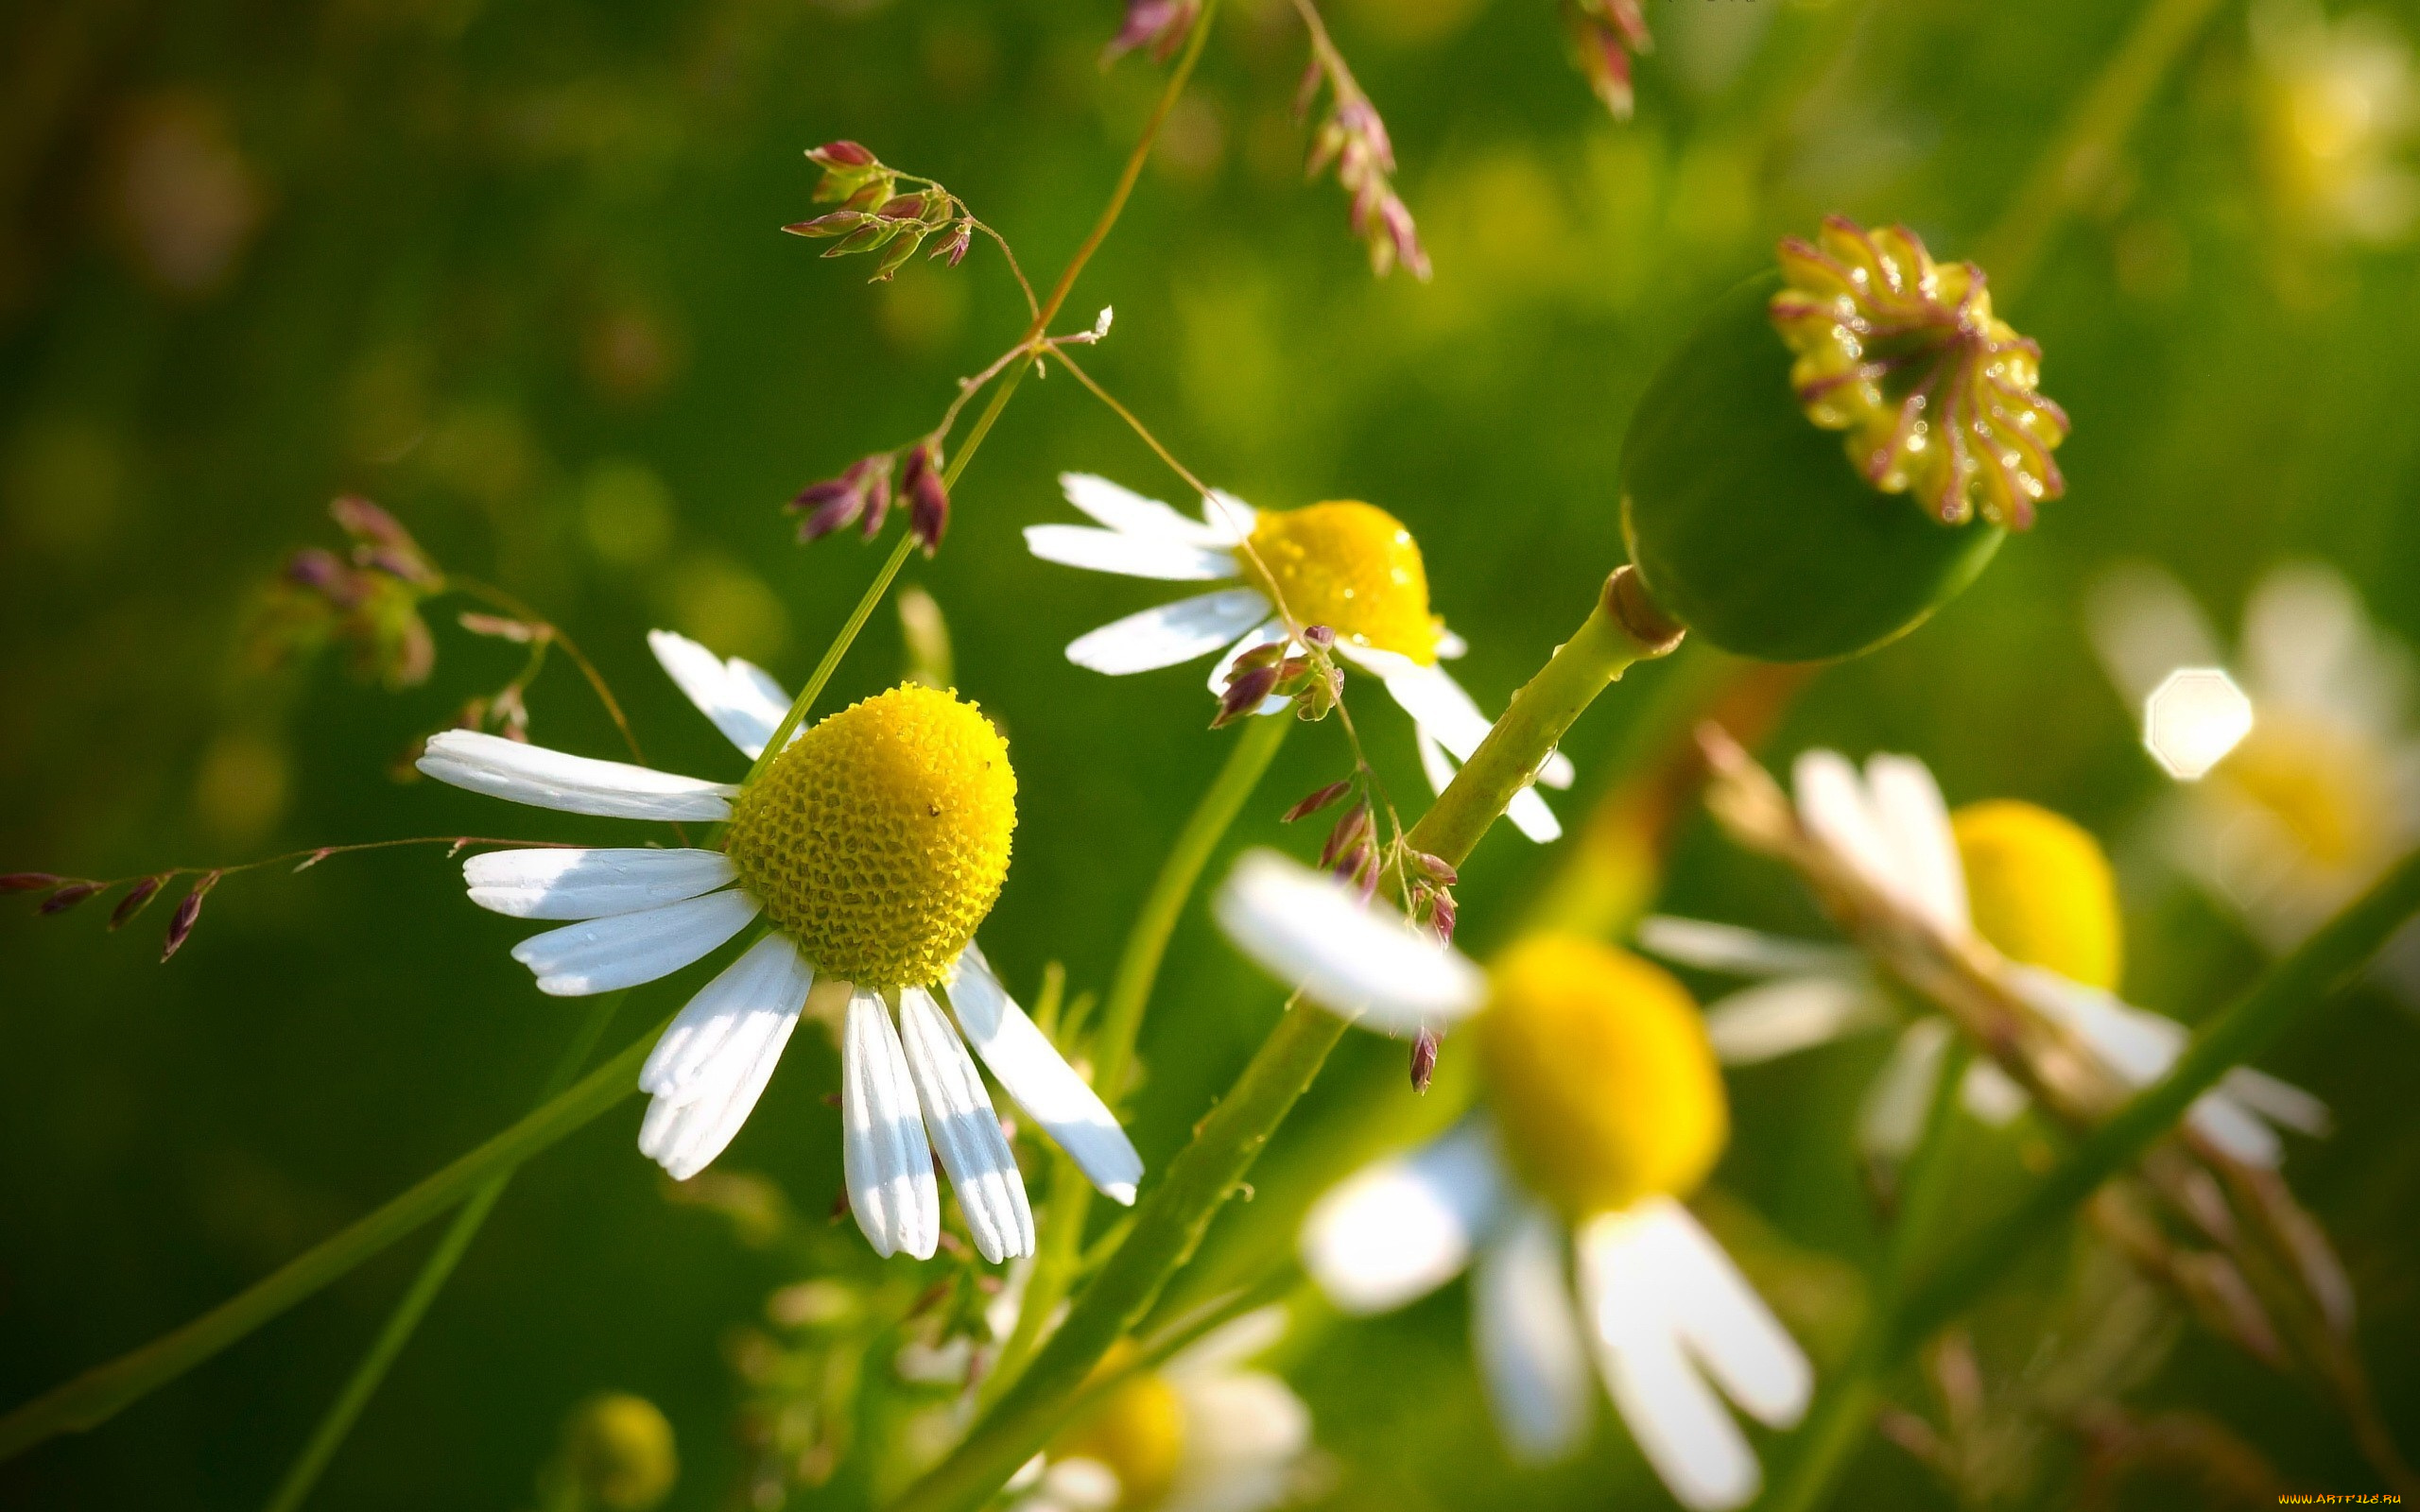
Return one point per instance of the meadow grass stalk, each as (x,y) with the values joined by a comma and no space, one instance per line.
(434,1272)
(1173,1215)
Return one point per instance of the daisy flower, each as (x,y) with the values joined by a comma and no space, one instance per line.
(2029,884)
(1347,565)
(2312,783)
(1203,1433)
(2334,105)
(1604,1110)
(872,847)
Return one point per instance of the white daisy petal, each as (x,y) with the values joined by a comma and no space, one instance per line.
(1243,1431)
(1434,764)
(1530,1341)
(1832,804)
(1308,931)
(1531,816)
(1915,821)
(2281,1103)
(883,1150)
(1429,694)
(1712,947)
(1128,514)
(564,882)
(604,955)
(2233,1129)
(1032,1072)
(1991,1095)
(958,1116)
(1451,647)
(1726,1325)
(575,784)
(2146,626)
(1108,551)
(1166,634)
(1790,1014)
(711,1065)
(1556,771)
(1679,1423)
(1891,1118)
(1230,517)
(1395,1231)
(742,699)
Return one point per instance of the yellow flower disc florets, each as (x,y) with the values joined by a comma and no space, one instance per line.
(2040,890)
(1350,566)
(1939,396)
(879,839)
(1139,1433)
(1599,1075)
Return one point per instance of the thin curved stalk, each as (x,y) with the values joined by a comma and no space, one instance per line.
(434,1272)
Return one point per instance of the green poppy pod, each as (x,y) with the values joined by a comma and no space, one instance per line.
(1745,521)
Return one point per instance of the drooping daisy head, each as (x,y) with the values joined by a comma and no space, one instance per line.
(872,843)
(1344,564)
(1203,1433)
(1604,1088)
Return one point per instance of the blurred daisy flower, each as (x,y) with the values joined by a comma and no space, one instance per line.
(1344,564)
(2304,783)
(2334,105)
(2030,885)
(872,846)
(1203,1433)
(1605,1109)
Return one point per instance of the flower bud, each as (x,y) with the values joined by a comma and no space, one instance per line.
(619,1453)
(69,896)
(1423,1060)
(927,497)
(1744,520)
(842,154)
(27,882)
(136,898)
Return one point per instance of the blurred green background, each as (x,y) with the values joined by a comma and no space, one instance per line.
(513,270)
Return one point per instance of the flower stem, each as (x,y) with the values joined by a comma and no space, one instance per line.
(97,1395)
(2315,971)
(434,1273)
(1113,1048)
(1174,1214)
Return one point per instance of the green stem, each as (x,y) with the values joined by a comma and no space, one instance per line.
(1172,1217)
(434,1272)
(1837,1428)
(1055,1263)
(2086,150)
(99,1393)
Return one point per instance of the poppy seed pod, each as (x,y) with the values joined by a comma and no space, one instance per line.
(1743,517)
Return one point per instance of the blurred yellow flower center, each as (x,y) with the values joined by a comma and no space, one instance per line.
(1599,1076)
(619,1451)
(2331,789)
(879,839)
(1350,566)
(2041,891)
(1139,1433)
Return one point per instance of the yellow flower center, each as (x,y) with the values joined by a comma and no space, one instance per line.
(1599,1076)
(1139,1433)
(2040,890)
(879,839)
(1350,566)
(2329,788)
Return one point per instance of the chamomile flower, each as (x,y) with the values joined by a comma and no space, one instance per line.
(1605,1109)
(872,847)
(2321,790)
(1347,565)
(2029,883)
(1602,1111)
(1203,1433)
(2334,108)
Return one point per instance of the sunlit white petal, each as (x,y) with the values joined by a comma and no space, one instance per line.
(884,1152)
(575,784)
(742,699)
(711,1065)
(1530,1341)
(566,883)
(1243,1433)
(1891,1118)
(1228,515)
(1712,947)
(1725,1324)
(965,1131)
(1108,551)
(1127,512)
(1166,634)
(1792,1013)
(1833,805)
(1308,931)
(604,955)
(1915,822)
(1397,1231)
(1032,1072)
